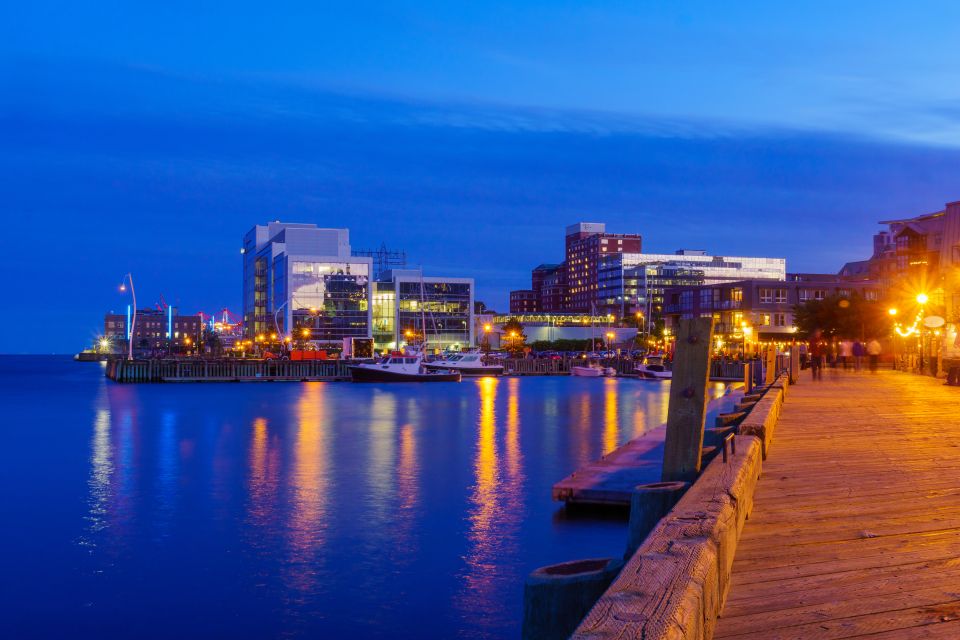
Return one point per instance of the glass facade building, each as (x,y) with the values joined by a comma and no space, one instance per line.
(301,278)
(405,302)
(632,282)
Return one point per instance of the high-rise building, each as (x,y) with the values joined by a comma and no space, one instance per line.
(298,277)
(586,244)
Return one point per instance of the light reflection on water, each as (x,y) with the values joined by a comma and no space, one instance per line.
(321,510)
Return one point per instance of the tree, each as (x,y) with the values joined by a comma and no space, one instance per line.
(513,338)
(837,316)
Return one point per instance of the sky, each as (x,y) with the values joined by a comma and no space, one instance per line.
(148,137)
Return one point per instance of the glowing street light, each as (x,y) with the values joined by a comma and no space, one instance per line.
(892,311)
(133,321)
(922,298)
(487,328)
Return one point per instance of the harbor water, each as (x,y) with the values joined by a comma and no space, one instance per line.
(294,510)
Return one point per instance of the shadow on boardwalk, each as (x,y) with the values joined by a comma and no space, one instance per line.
(855,529)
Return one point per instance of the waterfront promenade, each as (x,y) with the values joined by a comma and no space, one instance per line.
(855,528)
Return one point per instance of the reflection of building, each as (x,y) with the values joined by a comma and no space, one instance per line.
(300,278)
(404,301)
(766,306)
(154,330)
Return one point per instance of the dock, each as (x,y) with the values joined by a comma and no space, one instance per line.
(856,520)
(612,479)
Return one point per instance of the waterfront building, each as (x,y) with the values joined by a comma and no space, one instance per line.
(155,330)
(764,305)
(636,282)
(304,279)
(587,243)
(550,286)
(524,301)
(405,300)
(566,326)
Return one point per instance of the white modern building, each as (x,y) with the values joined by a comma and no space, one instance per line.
(302,278)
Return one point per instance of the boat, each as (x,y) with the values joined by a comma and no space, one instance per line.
(652,368)
(591,370)
(470,363)
(399,368)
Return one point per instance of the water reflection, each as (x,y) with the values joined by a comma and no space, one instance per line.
(262,481)
(496,509)
(167,472)
(101,467)
(611,424)
(309,520)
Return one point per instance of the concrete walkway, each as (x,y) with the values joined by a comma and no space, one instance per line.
(855,530)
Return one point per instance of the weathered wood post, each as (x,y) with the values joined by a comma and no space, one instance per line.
(688,400)
(648,504)
(795,363)
(770,365)
(747,377)
(556,598)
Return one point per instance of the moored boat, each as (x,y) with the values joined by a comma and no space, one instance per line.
(652,368)
(591,370)
(467,364)
(400,368)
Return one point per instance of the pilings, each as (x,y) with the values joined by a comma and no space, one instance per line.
(556,598)
(648,504)
(226,370)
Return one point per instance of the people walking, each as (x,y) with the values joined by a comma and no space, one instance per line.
(846,353)
(817,352)
(858,352)
(873,350)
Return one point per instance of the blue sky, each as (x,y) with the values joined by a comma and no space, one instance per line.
(148,139)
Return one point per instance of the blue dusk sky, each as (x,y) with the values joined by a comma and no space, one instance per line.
(148,137)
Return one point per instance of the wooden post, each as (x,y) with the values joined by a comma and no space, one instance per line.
(795,363)
(556,598)
(747,378)
(648,504)
(688,400)
(770,366)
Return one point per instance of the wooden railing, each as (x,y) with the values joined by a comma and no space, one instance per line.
(225,370)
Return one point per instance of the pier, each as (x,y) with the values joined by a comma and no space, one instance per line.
(856,518)
(256,370)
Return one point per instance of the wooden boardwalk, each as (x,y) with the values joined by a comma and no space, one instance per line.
(855,530)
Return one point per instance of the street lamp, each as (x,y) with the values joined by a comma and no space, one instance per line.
(922,298)
(610,336)
(892,311)
(133,322)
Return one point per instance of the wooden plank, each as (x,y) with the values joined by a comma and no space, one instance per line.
(688,399)
(857,518)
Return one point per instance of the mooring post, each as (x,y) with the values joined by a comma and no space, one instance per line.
(648,504)
(795,364)
(688,400)
(770,366)
(556,598)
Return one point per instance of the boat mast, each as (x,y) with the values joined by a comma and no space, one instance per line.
(423,315)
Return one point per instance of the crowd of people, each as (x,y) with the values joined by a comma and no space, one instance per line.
(846,354)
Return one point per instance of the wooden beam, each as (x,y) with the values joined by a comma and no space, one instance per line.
(688,400)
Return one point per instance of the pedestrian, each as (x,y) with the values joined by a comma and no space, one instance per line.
(858,355)
(873,350)
(817,353)
(846,352)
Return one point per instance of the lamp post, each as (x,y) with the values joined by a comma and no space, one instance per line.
(133,321)
(892,311)
(276,313)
